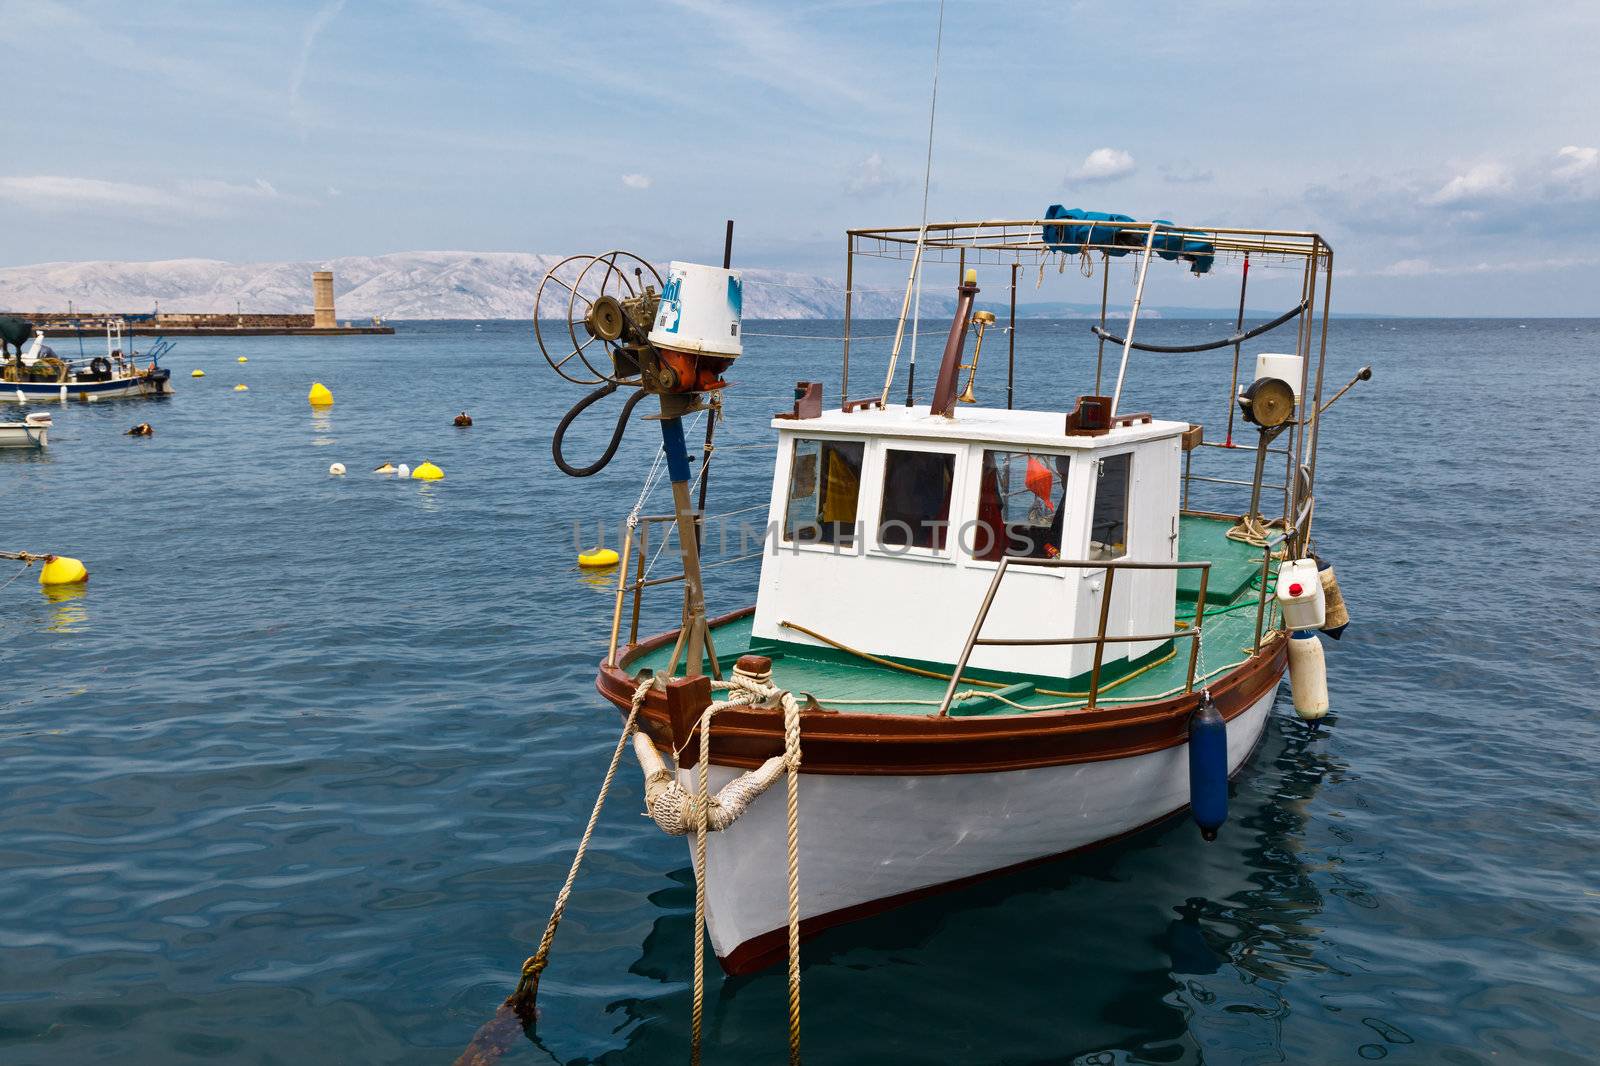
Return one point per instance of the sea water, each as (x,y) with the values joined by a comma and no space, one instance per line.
(295,777)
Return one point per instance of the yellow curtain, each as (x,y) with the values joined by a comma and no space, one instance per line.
(839,490)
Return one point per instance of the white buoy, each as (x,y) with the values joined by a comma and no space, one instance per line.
(402,471)
(21,398)
(63,394)
(336,470)
(1308,676)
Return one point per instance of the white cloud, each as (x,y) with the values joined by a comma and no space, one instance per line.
(1186,174)
(1406,268)
(1422,268)
(47,191)
(872,177)
(203,197)
(1577,162)
(638,181)
(1574,173)
(1485,181)
(1103,164)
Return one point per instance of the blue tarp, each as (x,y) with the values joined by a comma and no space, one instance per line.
(1120,240)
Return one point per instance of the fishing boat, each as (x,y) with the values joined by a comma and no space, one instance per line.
(37,372)
(32,432)
(984,636)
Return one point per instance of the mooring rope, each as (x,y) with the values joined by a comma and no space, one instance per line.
(27,559)
(528,987)
(495,1037)
(791,750)
(744,689)
(26,567)
(676,811)
(702,813)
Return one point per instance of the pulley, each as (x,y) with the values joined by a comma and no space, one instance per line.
(1268,402)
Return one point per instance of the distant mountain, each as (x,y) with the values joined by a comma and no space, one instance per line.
(471,285)
(398,286)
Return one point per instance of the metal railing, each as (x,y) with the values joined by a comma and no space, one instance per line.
(640,581)
(1189,476)
(1100,639)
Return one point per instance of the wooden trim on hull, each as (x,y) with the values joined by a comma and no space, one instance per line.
(905,745)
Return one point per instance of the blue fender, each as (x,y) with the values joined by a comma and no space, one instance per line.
(1208,767)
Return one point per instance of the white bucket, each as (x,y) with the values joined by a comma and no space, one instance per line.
(1285,368)
(700,310)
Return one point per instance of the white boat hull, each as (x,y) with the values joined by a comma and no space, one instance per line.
(32,432)
(869,842)
(16,435)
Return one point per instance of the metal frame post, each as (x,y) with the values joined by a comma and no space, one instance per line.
(1100,637)
(849,291)
(1133,316)
(1011,334)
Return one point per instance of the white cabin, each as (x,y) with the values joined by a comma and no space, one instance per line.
(886,527)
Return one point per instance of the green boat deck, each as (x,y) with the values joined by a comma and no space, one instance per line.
(848,682)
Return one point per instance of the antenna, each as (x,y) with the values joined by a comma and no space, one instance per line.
(927,179)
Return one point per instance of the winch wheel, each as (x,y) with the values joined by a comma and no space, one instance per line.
(586,291)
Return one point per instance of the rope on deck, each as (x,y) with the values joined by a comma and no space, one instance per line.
(920,672)
(1071,705)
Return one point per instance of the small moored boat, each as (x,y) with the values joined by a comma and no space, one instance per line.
(32,432)
(984,636)
(39,373)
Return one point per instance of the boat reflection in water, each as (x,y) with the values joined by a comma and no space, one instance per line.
(1097,956)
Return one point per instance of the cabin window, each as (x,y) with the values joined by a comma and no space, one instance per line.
(824,483)
(1021,506)
(1108,528)
(916,499)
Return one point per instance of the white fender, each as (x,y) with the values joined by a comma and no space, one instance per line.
(1308,675)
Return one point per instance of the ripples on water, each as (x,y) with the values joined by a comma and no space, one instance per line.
(295,778)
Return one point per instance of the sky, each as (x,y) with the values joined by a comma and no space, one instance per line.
(1449,150)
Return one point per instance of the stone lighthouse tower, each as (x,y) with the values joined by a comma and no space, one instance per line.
(322,300)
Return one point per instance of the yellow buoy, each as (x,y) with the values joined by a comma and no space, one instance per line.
(241,388)
(242,359)
(386,468)
(426,471)
(197,373)
(62,570)
(319,396)
(598,557)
